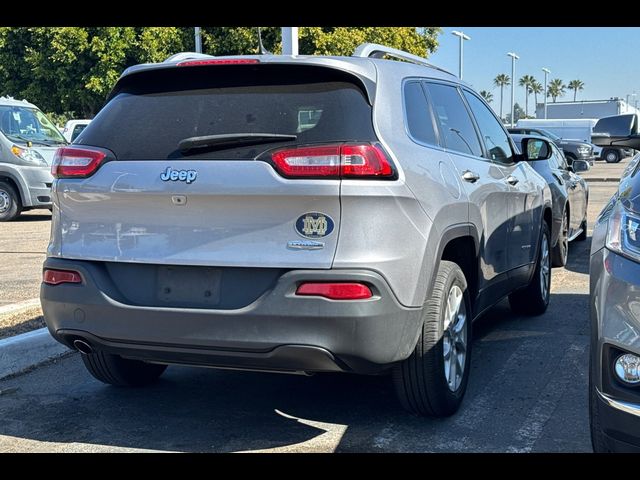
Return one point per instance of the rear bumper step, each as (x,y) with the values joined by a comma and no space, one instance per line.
(277,331)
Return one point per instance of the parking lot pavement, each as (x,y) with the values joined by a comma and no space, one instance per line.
(527,392)
(23,246)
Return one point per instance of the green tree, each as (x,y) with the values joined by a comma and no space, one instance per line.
(518,114)
(556,89)
(319,40)
(70,70)
(527,82)
(536,88)
(575,85)
(488,96)
(501,80)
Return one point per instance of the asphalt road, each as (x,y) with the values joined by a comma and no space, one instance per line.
(527,392)
(23,247)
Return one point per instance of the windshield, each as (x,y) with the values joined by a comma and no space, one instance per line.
(552,136)
(24,124)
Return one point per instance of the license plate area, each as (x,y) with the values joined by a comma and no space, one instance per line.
(179,286)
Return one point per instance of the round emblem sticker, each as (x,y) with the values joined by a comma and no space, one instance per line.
(314,225)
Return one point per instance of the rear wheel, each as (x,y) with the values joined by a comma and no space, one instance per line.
(10,204)
(121,372)
(611,156)
(433,380)
(560,252)
(534,299)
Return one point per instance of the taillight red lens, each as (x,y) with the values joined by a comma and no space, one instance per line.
(336,291)
(228,61)
(335,161)
(56,277)
(76,162)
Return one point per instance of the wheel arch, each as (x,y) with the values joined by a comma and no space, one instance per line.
(15,180)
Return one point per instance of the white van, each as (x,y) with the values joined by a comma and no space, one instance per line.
(576,129)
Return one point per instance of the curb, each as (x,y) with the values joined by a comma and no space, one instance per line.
(27,350)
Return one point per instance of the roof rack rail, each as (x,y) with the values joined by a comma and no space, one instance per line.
(375,50)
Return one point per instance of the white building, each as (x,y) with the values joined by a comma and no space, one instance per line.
(585,109)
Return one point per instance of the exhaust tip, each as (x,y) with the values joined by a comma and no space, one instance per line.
(83,347)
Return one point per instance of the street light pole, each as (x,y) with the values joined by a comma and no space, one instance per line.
(546,72)
(198,40)
(514,57)
(463,37)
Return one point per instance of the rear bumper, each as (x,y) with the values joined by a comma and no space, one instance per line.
(277,331)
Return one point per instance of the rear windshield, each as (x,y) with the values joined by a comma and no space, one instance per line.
(149,116)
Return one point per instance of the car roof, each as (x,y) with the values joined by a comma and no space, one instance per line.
(12,102)
(366,68)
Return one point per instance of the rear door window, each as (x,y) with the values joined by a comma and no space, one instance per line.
(151,113)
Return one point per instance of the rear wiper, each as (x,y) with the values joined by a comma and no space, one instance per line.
(227,140)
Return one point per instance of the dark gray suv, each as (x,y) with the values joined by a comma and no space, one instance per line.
(294,214)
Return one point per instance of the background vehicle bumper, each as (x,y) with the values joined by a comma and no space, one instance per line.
(277,331)
(38,183)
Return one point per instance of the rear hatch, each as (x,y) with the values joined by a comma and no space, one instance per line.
(174,188)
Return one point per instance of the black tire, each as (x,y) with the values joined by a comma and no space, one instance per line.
(121,372)
(10,202)
(611,155)
(534,299)
(598,439)
(583,235)
(560,252)
(420,381)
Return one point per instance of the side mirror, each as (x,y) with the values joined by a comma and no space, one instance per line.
(580,166)
(618,130)
(535,149)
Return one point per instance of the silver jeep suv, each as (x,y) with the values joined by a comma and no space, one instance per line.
(294,214)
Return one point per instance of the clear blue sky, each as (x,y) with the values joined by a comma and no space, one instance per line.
(605,59)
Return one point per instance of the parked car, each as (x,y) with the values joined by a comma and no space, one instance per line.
(294,214)
(570,195)
(614,367)
(73,128)
(579,129)
(572,149)
(28,141)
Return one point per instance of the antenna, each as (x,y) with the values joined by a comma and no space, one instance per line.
(263,51)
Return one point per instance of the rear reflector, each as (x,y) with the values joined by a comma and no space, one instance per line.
(76,162)
(336,291)
(228,61)
(333,161)
(56,277)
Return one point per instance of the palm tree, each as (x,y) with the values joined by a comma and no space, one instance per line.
(502,80)
(576,85)
(526,81)
(536,88)
(556,89)
(488,96)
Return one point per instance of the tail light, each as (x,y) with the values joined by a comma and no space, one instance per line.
(335,291)
(56,277)
(334,161)
(76,162)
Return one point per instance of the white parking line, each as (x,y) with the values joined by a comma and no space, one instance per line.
(19,306)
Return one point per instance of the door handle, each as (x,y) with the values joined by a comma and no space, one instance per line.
(511,180)
(469,176)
